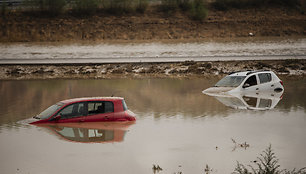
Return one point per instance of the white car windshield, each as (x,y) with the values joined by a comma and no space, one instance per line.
(230,81)
(50,111)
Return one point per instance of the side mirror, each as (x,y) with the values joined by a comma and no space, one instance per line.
(56,118)
(246,85)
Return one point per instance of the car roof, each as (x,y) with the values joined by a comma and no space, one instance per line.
(91,99)
(246,73)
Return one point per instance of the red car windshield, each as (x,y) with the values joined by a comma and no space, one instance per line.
(50,111)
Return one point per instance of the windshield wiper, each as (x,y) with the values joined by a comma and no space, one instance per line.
(36,117)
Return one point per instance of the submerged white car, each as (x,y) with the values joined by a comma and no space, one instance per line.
(245,82)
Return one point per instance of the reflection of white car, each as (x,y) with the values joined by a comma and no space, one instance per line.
(247,81)
(252,100)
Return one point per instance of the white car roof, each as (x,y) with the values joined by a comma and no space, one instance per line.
(246,73)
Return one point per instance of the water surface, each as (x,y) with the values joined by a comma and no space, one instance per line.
(177,128)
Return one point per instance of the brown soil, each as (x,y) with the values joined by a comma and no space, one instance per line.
(295,68)
(154,25)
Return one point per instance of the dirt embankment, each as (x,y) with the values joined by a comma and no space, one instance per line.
(154,25)
(188,68)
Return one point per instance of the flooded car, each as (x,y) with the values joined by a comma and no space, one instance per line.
(92,109)
(251,100)
(90,132)
(247,81)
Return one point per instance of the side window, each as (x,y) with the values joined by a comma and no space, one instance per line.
(109,107)
(264,77)
(251,81)
(100,107)
(73,110)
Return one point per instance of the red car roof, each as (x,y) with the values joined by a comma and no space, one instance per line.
(91,99)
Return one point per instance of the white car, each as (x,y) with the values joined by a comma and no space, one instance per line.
(245,82)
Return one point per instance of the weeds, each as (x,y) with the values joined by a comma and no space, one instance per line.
(85,7)
(239,4)
(49,7)
(3,10)
(267,163)
(196,9)
(244,145)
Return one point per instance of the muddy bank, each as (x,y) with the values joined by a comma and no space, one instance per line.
(188,68)
(154,25)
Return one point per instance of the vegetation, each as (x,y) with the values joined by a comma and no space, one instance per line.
(196,9)
(267,163)
(228,4)
(85,7)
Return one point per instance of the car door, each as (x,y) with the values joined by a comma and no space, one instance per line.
(251,84)
(99,111)
(265,82)
(72,113)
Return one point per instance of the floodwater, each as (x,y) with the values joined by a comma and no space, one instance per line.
(243,49)
(178,128)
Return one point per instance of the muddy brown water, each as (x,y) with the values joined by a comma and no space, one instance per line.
(177,128)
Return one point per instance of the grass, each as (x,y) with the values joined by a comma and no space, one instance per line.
(195,9)
(242,4)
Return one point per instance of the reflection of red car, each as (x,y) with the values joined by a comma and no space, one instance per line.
(91,132)
(93,109)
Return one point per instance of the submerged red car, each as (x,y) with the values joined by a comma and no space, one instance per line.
(92,109)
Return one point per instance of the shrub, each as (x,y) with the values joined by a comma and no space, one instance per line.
(267,163)
(3,9)
(198,10)
(142,5)
(169,6)
(119,6)
(228,4)
(49,7)
(85,7)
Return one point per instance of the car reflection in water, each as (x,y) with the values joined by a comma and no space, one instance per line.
(252,100)
(90,132)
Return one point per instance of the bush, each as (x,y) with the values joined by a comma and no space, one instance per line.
(3,9)
(85,7)
(198,10)
(228,4)
(49,7)
(142,6)
(120,6)
(169,6)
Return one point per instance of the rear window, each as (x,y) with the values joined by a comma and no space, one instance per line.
(100,107)
(264,77)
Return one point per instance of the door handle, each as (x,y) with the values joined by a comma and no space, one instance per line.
(81,120)
(272,85)
(257,88)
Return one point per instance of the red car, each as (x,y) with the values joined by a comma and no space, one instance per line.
(93,109)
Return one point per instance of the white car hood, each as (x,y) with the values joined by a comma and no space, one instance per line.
(218,91)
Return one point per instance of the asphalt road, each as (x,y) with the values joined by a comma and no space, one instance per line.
(144,59)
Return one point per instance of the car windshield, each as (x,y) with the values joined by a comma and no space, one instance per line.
(230,81)
(48,112)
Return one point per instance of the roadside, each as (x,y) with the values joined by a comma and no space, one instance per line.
(183,69)
(154,25)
